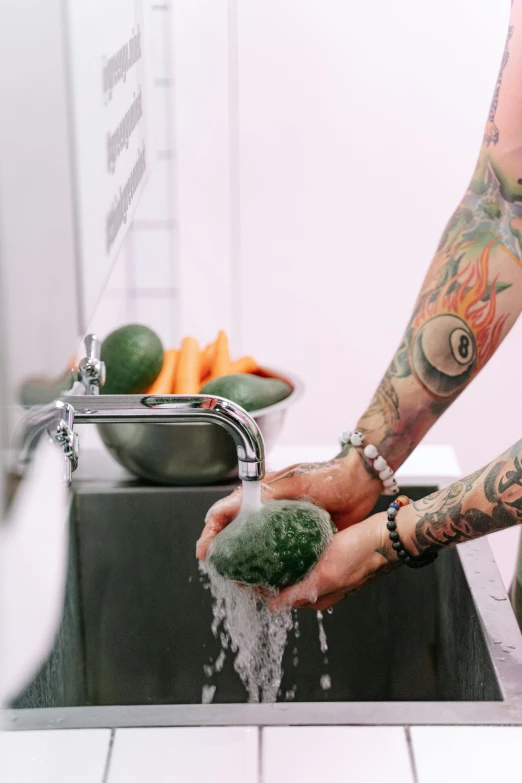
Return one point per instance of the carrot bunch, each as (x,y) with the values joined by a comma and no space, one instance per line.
(187,369)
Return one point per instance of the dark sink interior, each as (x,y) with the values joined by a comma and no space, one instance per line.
(137,619)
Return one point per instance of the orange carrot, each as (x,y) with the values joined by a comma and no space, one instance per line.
(165,380)
(187,373)
(245,365)
(221,362)
(206,360)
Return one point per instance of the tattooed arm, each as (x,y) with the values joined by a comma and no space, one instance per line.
(488,500)
(470,298)
(472,293)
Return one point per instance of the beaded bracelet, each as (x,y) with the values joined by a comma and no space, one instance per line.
(426,558)
(379,464)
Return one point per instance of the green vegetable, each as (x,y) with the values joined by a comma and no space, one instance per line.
(249,391)
(133,357)
(275,546)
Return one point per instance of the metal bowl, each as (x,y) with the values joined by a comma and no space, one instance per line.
(190,454)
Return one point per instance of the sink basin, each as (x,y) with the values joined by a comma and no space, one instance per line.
(431,646)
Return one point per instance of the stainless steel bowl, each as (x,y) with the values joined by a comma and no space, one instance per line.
(189,454)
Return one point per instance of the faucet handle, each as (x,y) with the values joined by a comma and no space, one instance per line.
(92,346)
(92,369)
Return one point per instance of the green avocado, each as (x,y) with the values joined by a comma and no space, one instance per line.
(275,546)
(133,357)
(249,391)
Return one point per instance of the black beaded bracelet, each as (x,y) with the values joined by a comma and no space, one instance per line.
(419,561)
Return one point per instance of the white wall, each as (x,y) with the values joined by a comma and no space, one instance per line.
(144,284)
(359,127)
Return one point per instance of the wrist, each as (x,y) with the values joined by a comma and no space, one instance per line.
(364,482)
(406,521)
(389,445)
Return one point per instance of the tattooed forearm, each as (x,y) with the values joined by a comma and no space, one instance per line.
(488,500)
(491,136)
(470,298)
(383,413)
(472,293)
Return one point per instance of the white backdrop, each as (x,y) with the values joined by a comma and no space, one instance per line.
(359,126)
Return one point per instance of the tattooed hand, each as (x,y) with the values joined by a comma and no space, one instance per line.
(346,487)
(488,500)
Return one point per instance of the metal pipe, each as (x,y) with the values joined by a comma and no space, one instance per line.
(175,408)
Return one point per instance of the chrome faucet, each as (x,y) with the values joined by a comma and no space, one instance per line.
(59,418)
(57,421)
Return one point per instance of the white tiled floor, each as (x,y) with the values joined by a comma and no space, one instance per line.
(467,754)
(54,756)
(200,755)
(343,754)
(338,754)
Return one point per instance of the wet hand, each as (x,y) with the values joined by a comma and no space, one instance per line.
(345,487)
(354,557)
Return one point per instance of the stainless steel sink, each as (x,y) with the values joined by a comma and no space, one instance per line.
(440,645)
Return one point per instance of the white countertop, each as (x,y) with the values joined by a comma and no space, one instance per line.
(307,754)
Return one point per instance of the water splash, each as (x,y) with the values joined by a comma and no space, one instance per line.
(255,635)
(326,682)
(207,694)
(323,641)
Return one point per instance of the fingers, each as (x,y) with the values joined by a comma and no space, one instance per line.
(286,484)
(287,601)
(274,487)
(326,601)
(301,594)
(219,516)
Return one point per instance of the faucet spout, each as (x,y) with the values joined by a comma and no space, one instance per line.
(175,408)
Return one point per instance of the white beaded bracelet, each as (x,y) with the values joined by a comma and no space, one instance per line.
(379,464)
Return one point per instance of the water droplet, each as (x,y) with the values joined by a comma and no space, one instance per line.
(330,610)
(498,597)
(326,682)
(323,641)
(207,694)
(501,658)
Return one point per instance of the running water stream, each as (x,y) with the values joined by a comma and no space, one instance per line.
(243,624)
